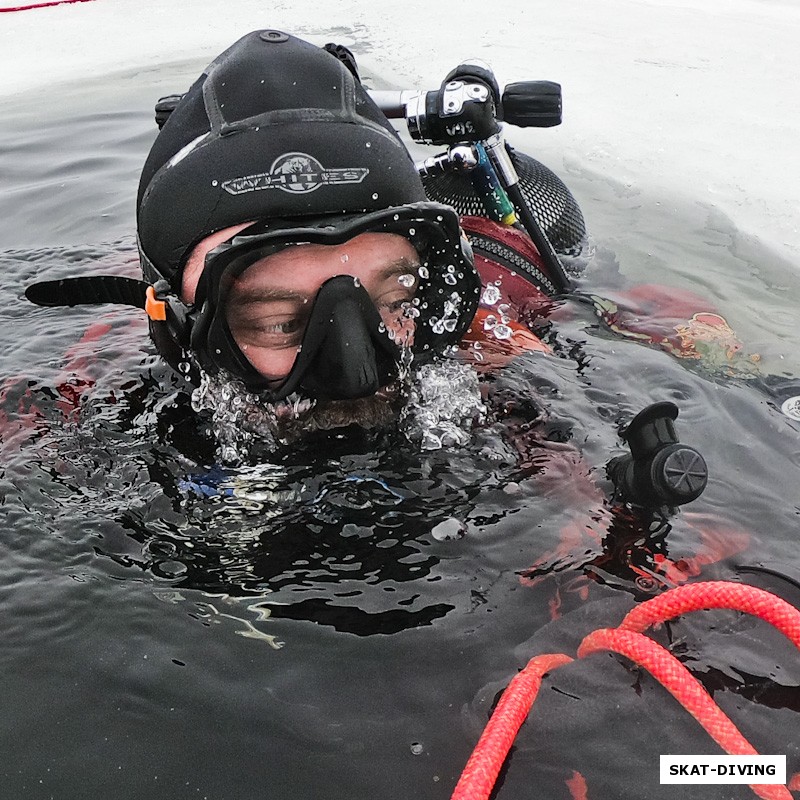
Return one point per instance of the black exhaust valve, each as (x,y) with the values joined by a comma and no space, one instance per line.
(660,470)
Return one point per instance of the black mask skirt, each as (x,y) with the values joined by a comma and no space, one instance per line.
(345,351)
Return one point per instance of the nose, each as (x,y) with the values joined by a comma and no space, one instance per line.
(346,352)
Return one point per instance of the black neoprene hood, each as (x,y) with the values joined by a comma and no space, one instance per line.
(275,127)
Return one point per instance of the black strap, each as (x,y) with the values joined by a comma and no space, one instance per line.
(89,290)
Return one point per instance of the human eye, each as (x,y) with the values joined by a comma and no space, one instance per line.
(267,328)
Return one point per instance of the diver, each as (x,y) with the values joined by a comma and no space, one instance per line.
(290,247)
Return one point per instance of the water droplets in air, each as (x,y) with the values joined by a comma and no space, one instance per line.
(406,280)
(491,294)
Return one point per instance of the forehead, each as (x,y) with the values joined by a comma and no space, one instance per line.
(367,256)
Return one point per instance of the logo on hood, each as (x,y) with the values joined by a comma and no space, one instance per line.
(297,173)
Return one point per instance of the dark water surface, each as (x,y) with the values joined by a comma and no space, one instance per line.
(313,635)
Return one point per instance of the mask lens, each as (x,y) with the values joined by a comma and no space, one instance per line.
(268,305)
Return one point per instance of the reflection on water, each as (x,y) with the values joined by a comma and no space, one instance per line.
(142,577)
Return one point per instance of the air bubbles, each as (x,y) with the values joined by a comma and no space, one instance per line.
(502,332)
(450,280)
(344,258)
(412,231)
(368,145)
(356,282)
(215,183)
(423,273)
(374,195)
(490,322)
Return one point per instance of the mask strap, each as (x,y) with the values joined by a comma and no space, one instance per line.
(89,290)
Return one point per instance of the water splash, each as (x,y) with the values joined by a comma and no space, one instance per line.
(444,404)
(235,414)
(436,405)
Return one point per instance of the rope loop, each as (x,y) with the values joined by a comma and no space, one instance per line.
(481,771)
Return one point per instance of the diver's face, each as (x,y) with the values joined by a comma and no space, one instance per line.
(269,304)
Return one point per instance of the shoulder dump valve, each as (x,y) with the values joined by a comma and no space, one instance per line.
(659,471)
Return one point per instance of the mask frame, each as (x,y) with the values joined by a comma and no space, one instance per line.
(447,295)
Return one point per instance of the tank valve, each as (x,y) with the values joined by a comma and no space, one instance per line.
(660,471)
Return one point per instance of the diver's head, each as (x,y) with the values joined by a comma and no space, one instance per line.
(285,223)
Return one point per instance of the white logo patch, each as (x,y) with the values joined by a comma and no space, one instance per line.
(297,173)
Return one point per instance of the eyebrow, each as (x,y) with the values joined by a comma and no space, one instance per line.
(400,267)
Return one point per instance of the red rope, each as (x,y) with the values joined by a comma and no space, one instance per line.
(685,688)
(42,5)
(716,594)
(480,773)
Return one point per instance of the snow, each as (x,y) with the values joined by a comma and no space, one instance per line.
(690,98)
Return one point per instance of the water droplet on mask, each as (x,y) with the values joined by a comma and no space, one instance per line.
(438,326)
(504,308)
(356,282)
(374,195)
(412,231)
(491,294)
(450,325)
(417,749)
(423,272)
(381,328)
(406,280)
(345,258)
(215,183)
(490,322)
(502,332)
(396,217)
(450,280)
(368,144)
